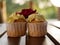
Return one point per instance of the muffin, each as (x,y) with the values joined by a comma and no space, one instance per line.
(16,25)
(37,25)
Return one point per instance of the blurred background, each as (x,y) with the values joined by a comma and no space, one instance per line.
(44,7)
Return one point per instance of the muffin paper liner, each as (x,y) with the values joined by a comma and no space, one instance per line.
(16,29)
(37,29)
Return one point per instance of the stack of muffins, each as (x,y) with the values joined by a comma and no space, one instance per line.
(18,24)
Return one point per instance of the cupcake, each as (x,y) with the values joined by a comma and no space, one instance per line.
(37,25)
(16,25)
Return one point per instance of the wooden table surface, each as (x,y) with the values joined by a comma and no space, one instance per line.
(54,30)
(25,40)
(2,28)
(52,38)
(55,24)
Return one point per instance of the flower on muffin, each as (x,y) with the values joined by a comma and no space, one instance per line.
(26,12)
(28,15)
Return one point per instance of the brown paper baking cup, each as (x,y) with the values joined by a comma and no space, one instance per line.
(16,29)
(37,29)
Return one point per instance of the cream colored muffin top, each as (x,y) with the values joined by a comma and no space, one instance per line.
(36,18)
(14,17)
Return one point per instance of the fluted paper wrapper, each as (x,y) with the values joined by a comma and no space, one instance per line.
(16,29)
(37,29)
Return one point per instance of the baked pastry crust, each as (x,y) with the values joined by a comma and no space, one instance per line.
(35,18)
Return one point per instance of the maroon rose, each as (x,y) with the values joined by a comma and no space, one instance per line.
(26,12)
